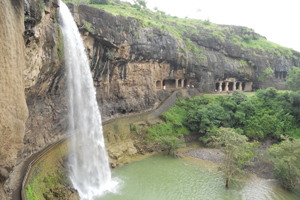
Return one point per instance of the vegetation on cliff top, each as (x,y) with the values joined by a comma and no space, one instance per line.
(184,28)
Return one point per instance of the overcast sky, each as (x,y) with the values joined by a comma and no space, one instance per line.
(278,20)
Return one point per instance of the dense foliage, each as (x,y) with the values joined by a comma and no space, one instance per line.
(292,80)
(238,151)
(171,133)
(286,159)
(268,113)
(226,122)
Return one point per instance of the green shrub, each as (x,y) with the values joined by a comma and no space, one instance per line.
(206,22)
(133,127)
(42,7)
(104,2)
(238,97)
(88,26)
(247,37)
(286,159)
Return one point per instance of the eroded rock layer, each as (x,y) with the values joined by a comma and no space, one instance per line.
(134,69)
(13,109)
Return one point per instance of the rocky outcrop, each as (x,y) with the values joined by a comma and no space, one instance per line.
(62,193)
(169,57)
(129,63)
(13,109)
(44,83)
(44,77)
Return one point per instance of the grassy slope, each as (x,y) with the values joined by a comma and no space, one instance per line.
(178,26)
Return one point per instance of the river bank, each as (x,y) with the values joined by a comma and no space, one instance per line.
(262,167)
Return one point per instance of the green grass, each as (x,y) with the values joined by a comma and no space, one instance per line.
(88,26)
(48,174)
(179,26)
(30,194)
(174,119)
(60,47)
(171,133)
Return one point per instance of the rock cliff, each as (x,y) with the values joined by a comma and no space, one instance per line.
(209,59)
(13,109)
(131,64)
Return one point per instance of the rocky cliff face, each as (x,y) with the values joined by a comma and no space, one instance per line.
(44,77)
(168,56)
(13,109)
(130,65)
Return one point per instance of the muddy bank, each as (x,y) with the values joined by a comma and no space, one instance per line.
(262,167)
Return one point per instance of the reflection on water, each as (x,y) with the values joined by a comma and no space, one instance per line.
(167,178)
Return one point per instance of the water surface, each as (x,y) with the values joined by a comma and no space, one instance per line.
(166,178)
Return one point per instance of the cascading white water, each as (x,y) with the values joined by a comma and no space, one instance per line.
(89,168)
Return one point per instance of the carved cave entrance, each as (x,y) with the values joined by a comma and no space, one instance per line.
(217,86)
(158,83)
(243,86)
(185,83)
(280,75)
(169,83)
(230,86)
(284,74)
(223,86)
(179,83)
(238,85)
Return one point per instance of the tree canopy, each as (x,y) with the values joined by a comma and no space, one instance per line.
(286,159)
(293,79)
(236,148)
(226,122)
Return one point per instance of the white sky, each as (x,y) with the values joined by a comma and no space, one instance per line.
(278,20)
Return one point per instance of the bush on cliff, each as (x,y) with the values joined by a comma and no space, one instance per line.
(104,2)
(171,133)
(293,79)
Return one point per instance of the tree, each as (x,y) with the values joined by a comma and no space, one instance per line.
(141,3)
(171,143)
(259,127)
(293,79)
(286,159)
(267,74)
(236,148)
(207,117)
(238,97)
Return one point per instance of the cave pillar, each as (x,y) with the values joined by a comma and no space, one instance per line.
(176,83)
(226,86)
(240,86)
(182,83)
(234,86)
(220,86)
(161,84)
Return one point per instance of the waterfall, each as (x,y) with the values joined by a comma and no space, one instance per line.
(89,168)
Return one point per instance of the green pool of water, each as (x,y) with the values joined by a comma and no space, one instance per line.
(166,178)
